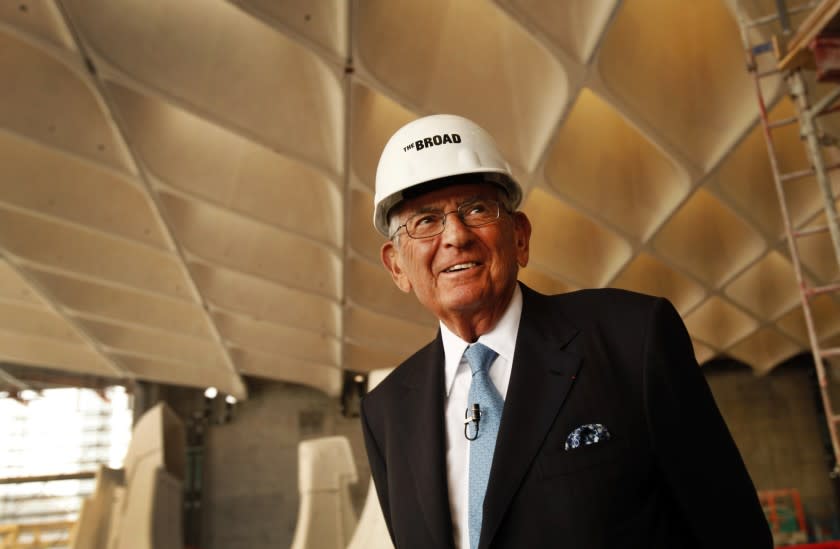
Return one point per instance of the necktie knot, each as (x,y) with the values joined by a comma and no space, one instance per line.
(480,357)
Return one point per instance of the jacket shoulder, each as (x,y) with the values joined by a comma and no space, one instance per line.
(604,297)
(404,372)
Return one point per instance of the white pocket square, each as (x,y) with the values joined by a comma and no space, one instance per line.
(591,433)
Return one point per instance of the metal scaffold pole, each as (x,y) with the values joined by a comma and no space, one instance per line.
(814,143)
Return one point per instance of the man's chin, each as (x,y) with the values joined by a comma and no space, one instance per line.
(464,299)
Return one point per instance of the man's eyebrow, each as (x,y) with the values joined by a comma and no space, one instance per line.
(427,209)
(430,209)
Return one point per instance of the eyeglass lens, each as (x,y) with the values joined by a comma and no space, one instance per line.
(473,214)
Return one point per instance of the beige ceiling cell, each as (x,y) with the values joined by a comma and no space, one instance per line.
(205,161)
(370,286)
(90,253)
(277,340)
(648,275)
(569,244)
(36,321)
(702,352)
(321,24)
(373,119)
(746,179)
(366,359)
(466,58)
(718,323)
(825,312)
(50,103)
(260,299)
(150,341)
(624,178)
(14,288)
(768,288)
(542,282)
(679,68)
(369,329)
(707,239)
(44,180)
(764,349)
(38,19)
(574,26)
(226,64)
(364,239)
(817,252)
(241,243)
(102,301)
(45,352)
(319,376)
(178,373)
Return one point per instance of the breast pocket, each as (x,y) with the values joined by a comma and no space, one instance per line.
(554,461)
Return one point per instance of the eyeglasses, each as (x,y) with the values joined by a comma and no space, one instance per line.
(474,213)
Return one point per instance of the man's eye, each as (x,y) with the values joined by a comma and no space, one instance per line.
(426,220)
(477,208)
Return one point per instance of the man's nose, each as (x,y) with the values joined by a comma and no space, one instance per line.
(455,231)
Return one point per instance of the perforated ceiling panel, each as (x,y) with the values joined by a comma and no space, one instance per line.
(186,186)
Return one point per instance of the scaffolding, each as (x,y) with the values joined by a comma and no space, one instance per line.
(52,445)
(792,54)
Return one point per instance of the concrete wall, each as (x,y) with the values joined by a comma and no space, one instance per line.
(775,424)
(251,492)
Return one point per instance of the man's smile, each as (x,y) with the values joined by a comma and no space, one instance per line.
(462,266)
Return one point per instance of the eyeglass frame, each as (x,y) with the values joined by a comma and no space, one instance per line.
(500,205)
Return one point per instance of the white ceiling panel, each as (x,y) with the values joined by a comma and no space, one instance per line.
(186,187)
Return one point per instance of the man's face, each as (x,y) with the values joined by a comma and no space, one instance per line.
(493,253)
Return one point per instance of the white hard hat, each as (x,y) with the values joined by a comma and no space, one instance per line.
(434,147)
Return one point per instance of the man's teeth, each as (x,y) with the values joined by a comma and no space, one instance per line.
(461,267)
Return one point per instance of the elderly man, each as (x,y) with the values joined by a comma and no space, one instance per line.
(577,421)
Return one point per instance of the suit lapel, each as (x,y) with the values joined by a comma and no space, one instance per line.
(424,440)
(541,375)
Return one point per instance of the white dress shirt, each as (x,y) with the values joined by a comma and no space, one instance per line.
(502,339)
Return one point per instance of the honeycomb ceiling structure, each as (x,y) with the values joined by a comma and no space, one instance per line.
(186,187)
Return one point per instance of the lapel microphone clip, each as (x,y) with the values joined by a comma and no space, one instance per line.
(472,415)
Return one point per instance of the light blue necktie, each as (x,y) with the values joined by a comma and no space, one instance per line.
(483,392)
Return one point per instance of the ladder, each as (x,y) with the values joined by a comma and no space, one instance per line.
(807,115)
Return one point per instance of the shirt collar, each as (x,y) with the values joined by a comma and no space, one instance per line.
(502,339)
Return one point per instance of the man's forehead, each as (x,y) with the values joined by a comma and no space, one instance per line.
(453,193)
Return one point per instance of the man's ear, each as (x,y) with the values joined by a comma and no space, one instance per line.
(391,259)
(522,237)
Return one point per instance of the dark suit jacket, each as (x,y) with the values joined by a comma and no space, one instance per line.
(670,477)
